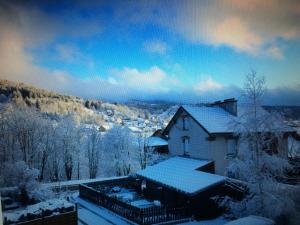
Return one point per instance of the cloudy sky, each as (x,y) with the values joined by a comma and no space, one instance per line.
(169,50)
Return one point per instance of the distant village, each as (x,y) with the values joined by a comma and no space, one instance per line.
(83,161)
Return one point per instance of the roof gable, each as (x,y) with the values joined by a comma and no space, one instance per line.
(216,120)
(176,116)
(211,119)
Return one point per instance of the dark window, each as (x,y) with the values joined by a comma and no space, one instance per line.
(185,123)
(231,147)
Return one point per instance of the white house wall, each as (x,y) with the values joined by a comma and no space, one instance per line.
(219,149)
(199,146)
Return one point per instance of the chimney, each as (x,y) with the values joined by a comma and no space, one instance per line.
(230,105)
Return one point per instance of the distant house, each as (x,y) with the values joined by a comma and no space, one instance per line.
(157,142)
(207,132)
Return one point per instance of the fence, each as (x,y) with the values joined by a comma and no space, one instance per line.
(68,218)
(144,216)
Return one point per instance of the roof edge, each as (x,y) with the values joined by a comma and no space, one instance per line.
(175,117)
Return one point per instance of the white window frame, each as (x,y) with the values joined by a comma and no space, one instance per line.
(230,143)
(185,145)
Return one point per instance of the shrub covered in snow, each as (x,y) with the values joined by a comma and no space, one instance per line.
(18,174)
(42,209)
(258,163)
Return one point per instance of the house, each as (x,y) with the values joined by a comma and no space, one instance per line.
(186,182)
(180,174)
(157,142)
(207,132)
(183,182)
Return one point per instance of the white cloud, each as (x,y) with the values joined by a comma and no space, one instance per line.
(18,65)
(243,32)
(38,28)
(158,47)
(154,79)
(275,52)
(68,53)
(207,85)
(71,54)
(234,33)
(249,26)
(112,81)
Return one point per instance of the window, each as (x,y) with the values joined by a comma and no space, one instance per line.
(185,123)
(144,185)
(185,143)
(231,147)
(270,145)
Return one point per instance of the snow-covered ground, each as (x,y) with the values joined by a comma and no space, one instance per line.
(38,209)
(142,203)
(217,221)
(86,216)
(77,182)
(92,213)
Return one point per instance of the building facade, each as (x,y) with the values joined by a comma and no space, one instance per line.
(208,132)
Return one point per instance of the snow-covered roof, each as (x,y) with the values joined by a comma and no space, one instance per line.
(135,129)
(180,173)
(217,120)
(156,141)
(214,119)
(252,220)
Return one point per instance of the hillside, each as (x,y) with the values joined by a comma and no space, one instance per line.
(46,101)
(136,115)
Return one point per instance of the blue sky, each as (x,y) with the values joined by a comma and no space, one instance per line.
(187,51)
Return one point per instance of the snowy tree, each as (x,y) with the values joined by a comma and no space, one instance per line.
(55,161)
(52,145)
(22,136)
(19,175)
(47,145)
(147,154)
(120,146)
(69,137)
(24,125)
(259,162)
(7,139)
(143,151)
(93,151)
